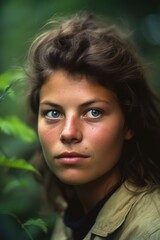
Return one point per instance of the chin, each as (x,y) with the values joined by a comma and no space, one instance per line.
(71,180)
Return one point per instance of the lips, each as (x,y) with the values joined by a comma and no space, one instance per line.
(71,158)
(70,155)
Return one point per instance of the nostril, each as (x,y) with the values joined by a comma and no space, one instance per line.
(71,138)
(68,140)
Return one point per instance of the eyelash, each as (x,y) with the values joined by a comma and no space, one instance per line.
(60,115)
(46,112)
(100,112)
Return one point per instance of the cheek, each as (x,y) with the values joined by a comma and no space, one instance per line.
(47,136)
(106,136)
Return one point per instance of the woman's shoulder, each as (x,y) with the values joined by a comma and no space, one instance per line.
(130,213)
(145,212)
(147,202)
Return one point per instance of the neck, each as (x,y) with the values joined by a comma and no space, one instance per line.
(91,193)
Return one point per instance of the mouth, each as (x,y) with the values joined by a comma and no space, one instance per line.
(70,155)
(71,158)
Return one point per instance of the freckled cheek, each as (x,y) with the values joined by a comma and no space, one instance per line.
(95,140)
(47,136)
(97,135)
(106,136)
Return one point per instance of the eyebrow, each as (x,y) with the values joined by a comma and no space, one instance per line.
(85,104)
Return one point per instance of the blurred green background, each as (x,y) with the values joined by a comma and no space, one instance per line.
(20,21)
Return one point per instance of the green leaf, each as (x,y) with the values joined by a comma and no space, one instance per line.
(9,77)
(12,125)
(17,163)
(38,223)
(7,91)
(14,184)
(8,80)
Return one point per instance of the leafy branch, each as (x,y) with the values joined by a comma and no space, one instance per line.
(6,92)
(12,125)
(31,222)
(16,163)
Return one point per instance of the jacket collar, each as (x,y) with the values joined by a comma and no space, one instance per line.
(115,210)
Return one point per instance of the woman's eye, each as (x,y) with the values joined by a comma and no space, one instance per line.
(53,114)
(94,113)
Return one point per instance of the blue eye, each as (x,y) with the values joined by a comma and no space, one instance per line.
(94,113)
(53,114)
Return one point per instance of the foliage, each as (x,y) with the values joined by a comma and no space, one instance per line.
(16,163)
(32,222)
(12,125)
(37,222)
(14,184)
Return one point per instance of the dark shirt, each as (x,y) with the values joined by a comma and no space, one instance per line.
(78,221)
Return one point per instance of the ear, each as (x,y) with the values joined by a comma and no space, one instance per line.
(128,133)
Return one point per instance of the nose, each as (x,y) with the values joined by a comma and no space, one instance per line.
(71,132)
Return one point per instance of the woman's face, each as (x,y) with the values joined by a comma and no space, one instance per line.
(81,129)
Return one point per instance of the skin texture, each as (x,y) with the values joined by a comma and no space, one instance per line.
(81,129)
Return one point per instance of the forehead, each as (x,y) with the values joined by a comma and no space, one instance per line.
(62,84)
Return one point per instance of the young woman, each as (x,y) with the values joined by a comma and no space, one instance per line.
(99,129)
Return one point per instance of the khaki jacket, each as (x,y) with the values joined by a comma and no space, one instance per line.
(125,216)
